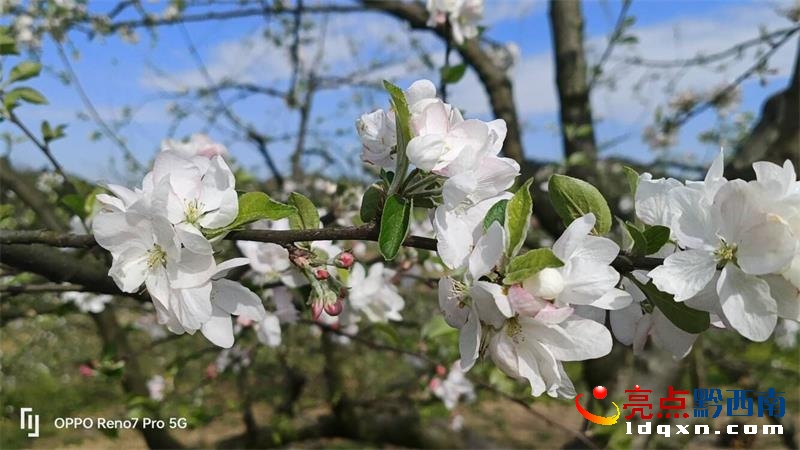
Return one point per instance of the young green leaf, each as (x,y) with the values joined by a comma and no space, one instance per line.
(656,236)
(639,240)
(529,263)
(394,226)
(518,218)
(27,94)
(497,213)
(633,178)
(371,203)
(573,198)
(687,319)
(24,70)
(452,74)
(255,206)
(306,215)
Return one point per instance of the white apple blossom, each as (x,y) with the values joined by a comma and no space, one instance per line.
(464,16)
(373,295)
(537,336)
(586,278)
(454,388)
(156,386)
(728,225)
(194,192)
(468,303)
(87,302)
(633,324)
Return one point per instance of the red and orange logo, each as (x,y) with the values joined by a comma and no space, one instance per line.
(599,392)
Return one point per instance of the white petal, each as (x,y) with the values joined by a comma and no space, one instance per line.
(226,266)
(219,328)
(573,237)
(158,284)
(191,269)
(191,306)
(487,252)
(613,299)
(653,204)
(453,310)
(585,282)
(786,295)
(469,341)
(669,337)
(454,238)
(193,239)
(572,340)
(766,248)
(747,303)
(424,151)
(129,269)
(695,228)
(269,331)
(236,299)
(684,274)
(492,305)
(623,322)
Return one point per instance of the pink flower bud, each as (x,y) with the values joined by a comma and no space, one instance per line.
(322,274)
(434,384)
(86,371)
(335,308)
(211,371)
(316,310)
(441,370)
(345,260)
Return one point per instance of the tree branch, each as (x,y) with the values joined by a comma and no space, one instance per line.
(15,239)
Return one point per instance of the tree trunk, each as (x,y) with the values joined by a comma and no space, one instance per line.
(577,130)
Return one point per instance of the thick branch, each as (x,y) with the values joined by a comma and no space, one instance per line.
(623,263)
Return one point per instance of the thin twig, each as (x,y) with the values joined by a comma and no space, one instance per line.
(45,287)
(612,42)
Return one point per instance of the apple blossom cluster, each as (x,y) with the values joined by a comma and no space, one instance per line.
(155,236)
(737,244)
(463,16)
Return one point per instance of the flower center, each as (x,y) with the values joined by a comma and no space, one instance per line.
(514,330)
(156,257)
(725,253)
(194,210)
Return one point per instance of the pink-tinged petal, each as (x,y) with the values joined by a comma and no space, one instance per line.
(747,303)
(684,274)
(553,314)
(523,302)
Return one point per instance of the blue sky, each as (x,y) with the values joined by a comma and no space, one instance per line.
(116,73)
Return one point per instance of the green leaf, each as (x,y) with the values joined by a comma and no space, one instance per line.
(633,178)
(27,94)
(497,213)
(371,203)
(24,70)
(639,240)
(306,216)
(8,45)
(402,114)
(75,204)
(394,226)
(436,327)
(452,74)
(687,319)
(255,206)
(573,198)
(529,263)
(50,134)
(656,236)
(518,218)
